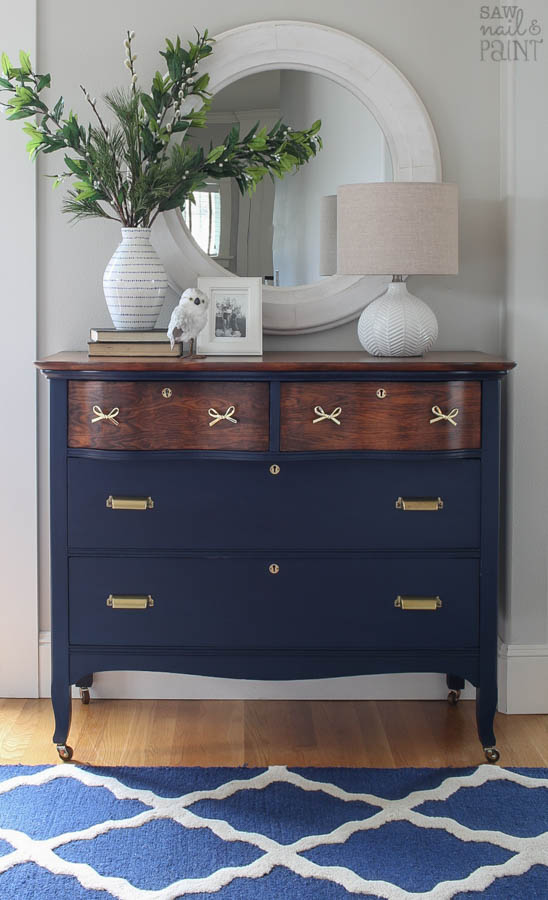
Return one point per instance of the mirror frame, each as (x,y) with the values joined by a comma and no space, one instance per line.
(394,103)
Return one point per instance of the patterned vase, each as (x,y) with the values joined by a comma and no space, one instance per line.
(135,282)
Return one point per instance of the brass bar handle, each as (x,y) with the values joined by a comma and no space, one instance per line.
(323,416)
(130,502)
(128,601)
(406,601)
(228,416)
(416,504)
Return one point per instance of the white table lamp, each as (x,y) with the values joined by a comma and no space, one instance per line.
(397,228)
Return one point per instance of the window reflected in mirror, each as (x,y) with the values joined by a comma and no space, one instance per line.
(203,218)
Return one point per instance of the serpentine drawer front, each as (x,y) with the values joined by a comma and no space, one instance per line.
(300,515)
(119,415)
(291,607)
(241,505)
(381,416)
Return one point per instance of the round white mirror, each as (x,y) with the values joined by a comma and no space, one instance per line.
(374,128)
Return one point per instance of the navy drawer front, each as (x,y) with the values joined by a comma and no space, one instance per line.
(236,603)
(239,505)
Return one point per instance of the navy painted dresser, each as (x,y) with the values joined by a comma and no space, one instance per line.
(300,515)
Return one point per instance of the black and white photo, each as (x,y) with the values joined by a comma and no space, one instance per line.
(231,316)
(234,324)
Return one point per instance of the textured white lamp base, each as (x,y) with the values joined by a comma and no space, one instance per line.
(397,324)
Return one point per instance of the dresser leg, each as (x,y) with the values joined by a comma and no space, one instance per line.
(486,707)
(62,710)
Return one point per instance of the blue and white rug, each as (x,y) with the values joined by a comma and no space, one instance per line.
(74,833)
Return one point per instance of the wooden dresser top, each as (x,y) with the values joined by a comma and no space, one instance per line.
(285,361)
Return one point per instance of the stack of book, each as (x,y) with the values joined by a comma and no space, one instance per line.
(109,342)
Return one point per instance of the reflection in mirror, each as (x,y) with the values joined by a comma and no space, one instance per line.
(275,234)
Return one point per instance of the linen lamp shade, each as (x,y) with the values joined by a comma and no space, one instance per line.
(397,228)
(328,235)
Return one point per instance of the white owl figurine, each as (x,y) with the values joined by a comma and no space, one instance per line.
(188,318)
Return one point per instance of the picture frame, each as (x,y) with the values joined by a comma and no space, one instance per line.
(235,316)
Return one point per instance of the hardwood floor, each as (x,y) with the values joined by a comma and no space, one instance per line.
(268,732)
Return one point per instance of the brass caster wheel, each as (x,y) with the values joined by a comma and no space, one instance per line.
(84,696)
(492,755)
(453,697)
(65,752)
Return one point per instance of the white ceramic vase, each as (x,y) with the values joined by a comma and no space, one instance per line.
(397,324)
(135,282)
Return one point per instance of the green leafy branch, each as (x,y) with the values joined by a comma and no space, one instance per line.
(131,169)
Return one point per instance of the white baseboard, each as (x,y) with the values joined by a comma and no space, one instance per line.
(163,686)
(523,678)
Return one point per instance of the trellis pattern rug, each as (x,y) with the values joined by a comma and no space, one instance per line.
(273,834)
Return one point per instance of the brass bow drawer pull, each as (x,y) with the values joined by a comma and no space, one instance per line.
(130,502)
(219,417)
(447,417)
(108,417)
(416,504)
(406,601)
(323,416)
(129,601)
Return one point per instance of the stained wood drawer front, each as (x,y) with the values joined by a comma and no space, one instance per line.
(308,505)
(236,603)
(381,416)
(123,415)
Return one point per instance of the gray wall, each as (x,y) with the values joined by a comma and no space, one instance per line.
(460,93)
(18,526)
(434,43)
(525,188)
